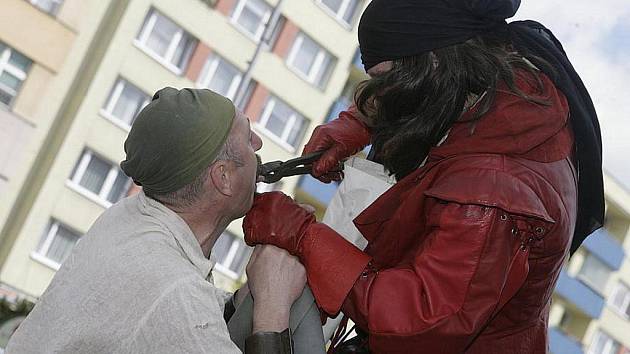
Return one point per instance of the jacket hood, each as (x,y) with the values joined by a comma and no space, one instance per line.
(514,126)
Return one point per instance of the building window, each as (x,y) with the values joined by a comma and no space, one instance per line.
(220,76)
(620,300)
(50,6)
(282,124)
(231,254)
(594,273)
(603,344)
(166,42)
(56,244)
(251,16)
(344,11)
(124,103)
(13,69)
(310,61)
(99,180)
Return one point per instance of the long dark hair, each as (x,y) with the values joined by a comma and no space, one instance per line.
(412,106)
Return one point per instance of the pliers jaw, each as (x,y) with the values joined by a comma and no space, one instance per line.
(269,172)
(274,171)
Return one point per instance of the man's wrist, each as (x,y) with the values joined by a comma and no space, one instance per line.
(270,317)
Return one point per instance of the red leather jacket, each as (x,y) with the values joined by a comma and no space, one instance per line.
(466,251)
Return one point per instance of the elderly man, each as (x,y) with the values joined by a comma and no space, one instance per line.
(140,280)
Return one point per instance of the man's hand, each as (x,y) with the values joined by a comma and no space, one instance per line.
(276,279)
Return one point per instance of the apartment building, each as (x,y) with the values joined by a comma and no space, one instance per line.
(44,45)
(591,305)
(119,52)
(74,73)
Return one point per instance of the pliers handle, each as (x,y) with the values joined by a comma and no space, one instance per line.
(274,171)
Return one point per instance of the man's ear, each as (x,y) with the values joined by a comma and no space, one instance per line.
(221,175)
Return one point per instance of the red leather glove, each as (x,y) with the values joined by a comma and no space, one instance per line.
(341,138)
(332,263)
(277,220)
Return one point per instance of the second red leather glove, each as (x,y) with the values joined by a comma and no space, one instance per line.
(340,138)
(332,263)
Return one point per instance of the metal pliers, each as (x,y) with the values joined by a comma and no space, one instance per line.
(273,171)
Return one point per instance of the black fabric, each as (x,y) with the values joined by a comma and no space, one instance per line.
(358,344)
(230,308)
(533,40)
(270,342)
(394,29)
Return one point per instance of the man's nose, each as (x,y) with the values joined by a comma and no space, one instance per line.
(257,142)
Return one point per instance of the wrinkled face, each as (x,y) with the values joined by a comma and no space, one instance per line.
(245,143)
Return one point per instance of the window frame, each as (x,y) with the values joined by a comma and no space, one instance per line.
(587,281)
(338,15)
(261,124)
(316,67)
(51,231)
(54,10)
(260,31)
(5,65)
(608,344)
(107,111)
(210,69)
(224,267)
(624,309)
(145,32)
(101,198)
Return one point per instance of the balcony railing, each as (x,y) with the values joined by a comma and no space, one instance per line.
(356,61)
(583,297)
(606,248)
(561,343)
(321,192)
(340,105)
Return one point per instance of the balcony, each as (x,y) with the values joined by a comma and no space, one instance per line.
(319,191)
(583,297)
(340,105)
(356,61)
(606,248)
(560,343)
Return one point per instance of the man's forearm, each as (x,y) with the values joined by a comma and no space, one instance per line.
(270,332)
(270,317)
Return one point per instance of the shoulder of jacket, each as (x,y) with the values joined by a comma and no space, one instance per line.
(484,180)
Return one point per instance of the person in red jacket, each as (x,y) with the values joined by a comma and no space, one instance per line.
(490,134)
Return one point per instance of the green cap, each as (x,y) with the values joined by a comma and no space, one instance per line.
(176,137)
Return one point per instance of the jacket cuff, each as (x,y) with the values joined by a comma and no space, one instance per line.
(332,266)
(270,342)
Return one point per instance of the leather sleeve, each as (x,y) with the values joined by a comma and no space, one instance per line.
(472,262)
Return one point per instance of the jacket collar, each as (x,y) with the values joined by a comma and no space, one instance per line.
(513,126)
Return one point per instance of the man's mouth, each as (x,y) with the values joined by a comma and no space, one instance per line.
(259,176)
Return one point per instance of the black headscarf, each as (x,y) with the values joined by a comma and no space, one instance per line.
(394,29)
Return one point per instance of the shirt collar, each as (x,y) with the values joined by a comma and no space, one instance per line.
(180,230)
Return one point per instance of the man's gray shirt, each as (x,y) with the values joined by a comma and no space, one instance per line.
(137,282)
